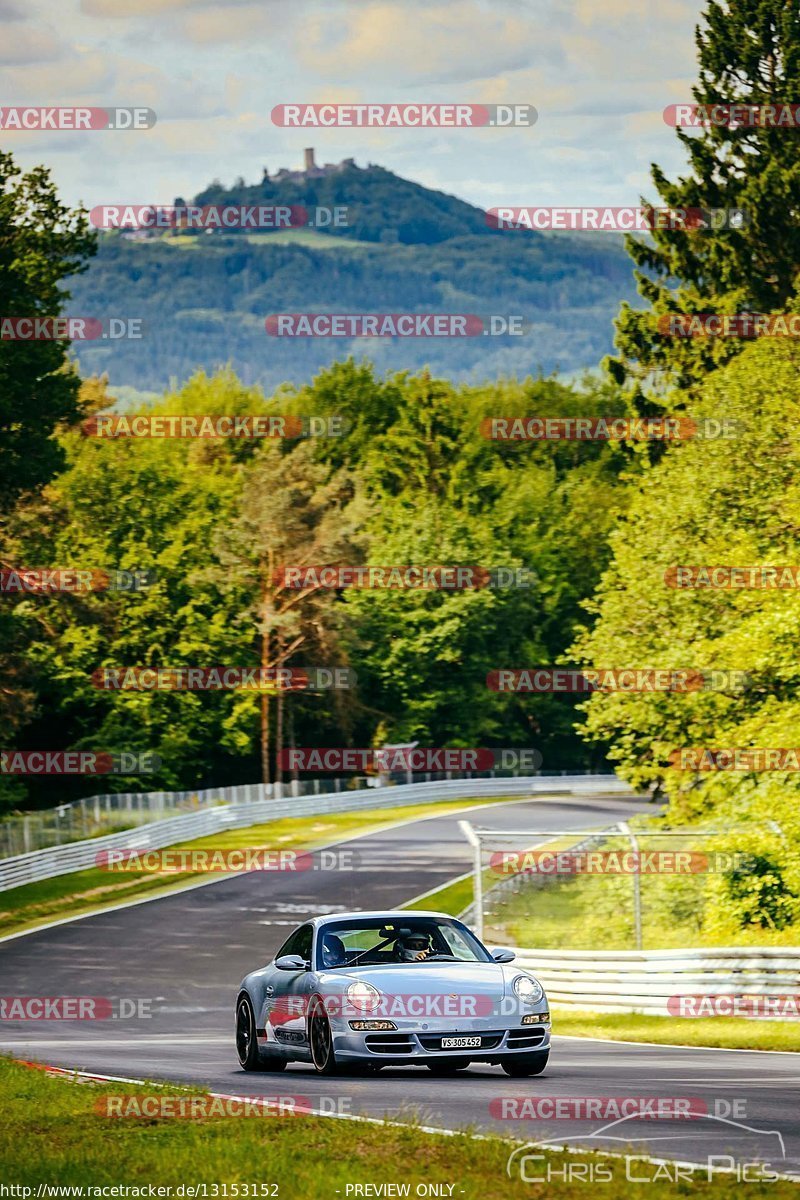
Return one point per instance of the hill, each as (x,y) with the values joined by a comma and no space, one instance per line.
(382,207)
(203,298)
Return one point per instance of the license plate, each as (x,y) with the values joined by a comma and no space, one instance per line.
(460,1043)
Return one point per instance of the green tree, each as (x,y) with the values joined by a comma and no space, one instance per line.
(749,52)
(294,511)
(712,502)
(42,242)
(156,505)
(441,493)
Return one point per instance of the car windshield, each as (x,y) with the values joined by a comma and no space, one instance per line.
(407,940)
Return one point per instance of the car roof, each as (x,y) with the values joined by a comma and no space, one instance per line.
(381,914)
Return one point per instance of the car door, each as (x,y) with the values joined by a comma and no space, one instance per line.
(287,991)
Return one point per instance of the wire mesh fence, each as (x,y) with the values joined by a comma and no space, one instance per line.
(636,884)
(94,816)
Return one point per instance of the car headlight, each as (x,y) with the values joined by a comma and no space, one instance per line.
(363,996)
(528,988)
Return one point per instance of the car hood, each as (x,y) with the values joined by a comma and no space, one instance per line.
(435,979)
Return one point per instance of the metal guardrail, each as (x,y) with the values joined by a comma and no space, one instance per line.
(633,981)
(78,856)
(114,812)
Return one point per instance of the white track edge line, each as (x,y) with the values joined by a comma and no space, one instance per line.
(430,1129)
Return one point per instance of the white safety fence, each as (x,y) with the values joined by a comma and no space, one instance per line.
(96,816)
(78,856)
(672,982)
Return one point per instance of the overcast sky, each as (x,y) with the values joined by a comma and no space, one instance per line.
(599,72)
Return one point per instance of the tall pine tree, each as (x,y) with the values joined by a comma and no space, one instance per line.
(749,53)
(42,242)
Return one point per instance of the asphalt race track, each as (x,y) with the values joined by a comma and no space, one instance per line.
(186,953)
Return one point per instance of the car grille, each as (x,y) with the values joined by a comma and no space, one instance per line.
(529,1036)
(389,1043)
(489,1041)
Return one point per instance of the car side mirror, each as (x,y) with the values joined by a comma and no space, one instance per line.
(501,955)
(291,962)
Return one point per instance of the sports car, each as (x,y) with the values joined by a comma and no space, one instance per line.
(374,989)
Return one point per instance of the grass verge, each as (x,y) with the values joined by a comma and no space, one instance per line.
(732,1033)
(83,891)
(52,1134)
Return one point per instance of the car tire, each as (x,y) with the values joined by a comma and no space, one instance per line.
(526,1064)
(320,1039)
(250,1057)
(446,1068)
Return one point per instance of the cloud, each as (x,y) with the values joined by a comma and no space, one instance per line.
(244,23)
(133,8)
(82,78)
(651,13)
(31,46)
(438,43)
(150,8)
(598,73)
(94,78)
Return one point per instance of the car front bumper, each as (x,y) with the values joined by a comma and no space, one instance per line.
(419,1046)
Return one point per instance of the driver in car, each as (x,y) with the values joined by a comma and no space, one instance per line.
(333,951)
(413,947)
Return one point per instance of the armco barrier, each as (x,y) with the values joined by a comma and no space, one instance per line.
(643,981)
(77,856)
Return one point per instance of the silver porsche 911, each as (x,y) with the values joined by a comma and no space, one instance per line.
(376,989)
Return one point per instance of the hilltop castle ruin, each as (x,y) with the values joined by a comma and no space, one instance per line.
(310,169)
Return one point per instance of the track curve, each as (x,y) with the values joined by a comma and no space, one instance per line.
(185,953)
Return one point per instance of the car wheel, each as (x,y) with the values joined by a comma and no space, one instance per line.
(446,1068)
(250,1057)
(320,1039)
(526,1064)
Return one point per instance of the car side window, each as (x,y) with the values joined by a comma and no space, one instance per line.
(305,936)
(298,942)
